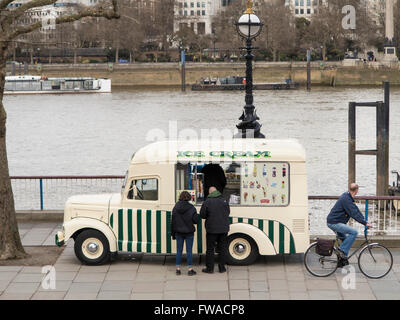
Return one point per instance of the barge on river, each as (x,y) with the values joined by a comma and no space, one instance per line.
(37,84)
(239,83)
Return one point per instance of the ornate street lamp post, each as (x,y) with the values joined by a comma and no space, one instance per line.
(249,27)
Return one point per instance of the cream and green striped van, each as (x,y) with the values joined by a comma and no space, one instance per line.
(266,188)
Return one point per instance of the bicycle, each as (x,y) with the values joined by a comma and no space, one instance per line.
(374,260)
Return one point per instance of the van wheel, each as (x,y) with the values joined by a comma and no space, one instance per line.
(242,250)
(92,248)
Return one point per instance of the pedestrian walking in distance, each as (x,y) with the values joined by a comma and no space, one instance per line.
(215,210)
(184,217)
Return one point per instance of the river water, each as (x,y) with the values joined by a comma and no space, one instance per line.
(96,134)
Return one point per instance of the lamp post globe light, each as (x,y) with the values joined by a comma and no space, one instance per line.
(249,27)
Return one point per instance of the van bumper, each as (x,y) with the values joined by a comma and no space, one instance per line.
(60,237)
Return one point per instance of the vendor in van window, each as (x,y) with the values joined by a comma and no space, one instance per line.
(214,176)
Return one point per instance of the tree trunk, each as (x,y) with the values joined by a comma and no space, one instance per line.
(10,241)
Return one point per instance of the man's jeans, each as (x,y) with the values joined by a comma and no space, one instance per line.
(179,248)
(344,231)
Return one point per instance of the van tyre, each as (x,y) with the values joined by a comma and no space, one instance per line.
(92,247)
(242,250)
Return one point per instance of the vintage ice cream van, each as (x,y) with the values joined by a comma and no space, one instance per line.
(266,186)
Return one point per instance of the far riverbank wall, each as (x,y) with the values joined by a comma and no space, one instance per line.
(169,74)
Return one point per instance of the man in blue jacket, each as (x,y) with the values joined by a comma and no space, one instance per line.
(340,215)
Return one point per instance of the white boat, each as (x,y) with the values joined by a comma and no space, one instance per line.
(36,84)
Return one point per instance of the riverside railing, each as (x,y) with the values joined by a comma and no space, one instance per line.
(33,193)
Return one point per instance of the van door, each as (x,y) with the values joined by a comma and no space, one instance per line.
(135,223)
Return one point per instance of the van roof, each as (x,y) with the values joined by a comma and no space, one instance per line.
(172,151)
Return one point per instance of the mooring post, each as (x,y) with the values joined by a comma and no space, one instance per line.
(308,69)
(352,143)
(183,71)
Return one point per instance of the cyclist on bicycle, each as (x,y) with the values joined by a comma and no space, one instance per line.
(338,218)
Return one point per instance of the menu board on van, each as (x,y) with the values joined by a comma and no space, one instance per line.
(265,184)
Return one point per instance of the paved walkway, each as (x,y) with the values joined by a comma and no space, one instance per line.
(153,277)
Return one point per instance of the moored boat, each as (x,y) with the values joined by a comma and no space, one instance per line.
(239,83)
(38,84)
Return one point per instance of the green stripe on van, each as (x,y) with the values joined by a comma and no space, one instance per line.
(139,230)
(250,221)
(261,225)
(200,236)
(271,230)
(240,220)
(130,236)
(230,220)
(168,217)
(148,230)
(281,238)
(112,220)
(292,247)
(158,230)
(120,229)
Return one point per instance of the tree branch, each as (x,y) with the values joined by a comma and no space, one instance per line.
(16,13)
(108,13)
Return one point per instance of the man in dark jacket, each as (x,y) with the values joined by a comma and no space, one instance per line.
(340,215)
(215,210)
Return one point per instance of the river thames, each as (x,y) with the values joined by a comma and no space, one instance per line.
(96,134)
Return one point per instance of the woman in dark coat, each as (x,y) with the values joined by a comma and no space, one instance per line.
(184,217)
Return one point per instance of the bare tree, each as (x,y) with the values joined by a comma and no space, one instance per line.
(10,242)
(279,28)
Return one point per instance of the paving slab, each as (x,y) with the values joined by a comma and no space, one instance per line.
(209,286)
(15,296)
(146,296)
(180,295)
(114,295)
(239,294)
(214,295)
(85,287)
(279,295)
(238,284)
(147,287)
(49,295)
(181,285)
(90,277)
(325,295)
(259,286)
(80,296)
(112,285)
(121,275)
(22,288)
(254,295)
(61,286)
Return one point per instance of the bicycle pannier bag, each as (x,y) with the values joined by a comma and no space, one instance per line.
(324,247)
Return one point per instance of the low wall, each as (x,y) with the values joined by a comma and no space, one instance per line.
(169,74)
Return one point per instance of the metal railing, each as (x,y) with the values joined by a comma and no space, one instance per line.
(383,212)
(50,193)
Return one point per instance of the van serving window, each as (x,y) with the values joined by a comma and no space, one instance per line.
(247,183)
(146,189)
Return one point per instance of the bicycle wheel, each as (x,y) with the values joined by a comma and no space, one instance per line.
(375,261)
(317,265)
